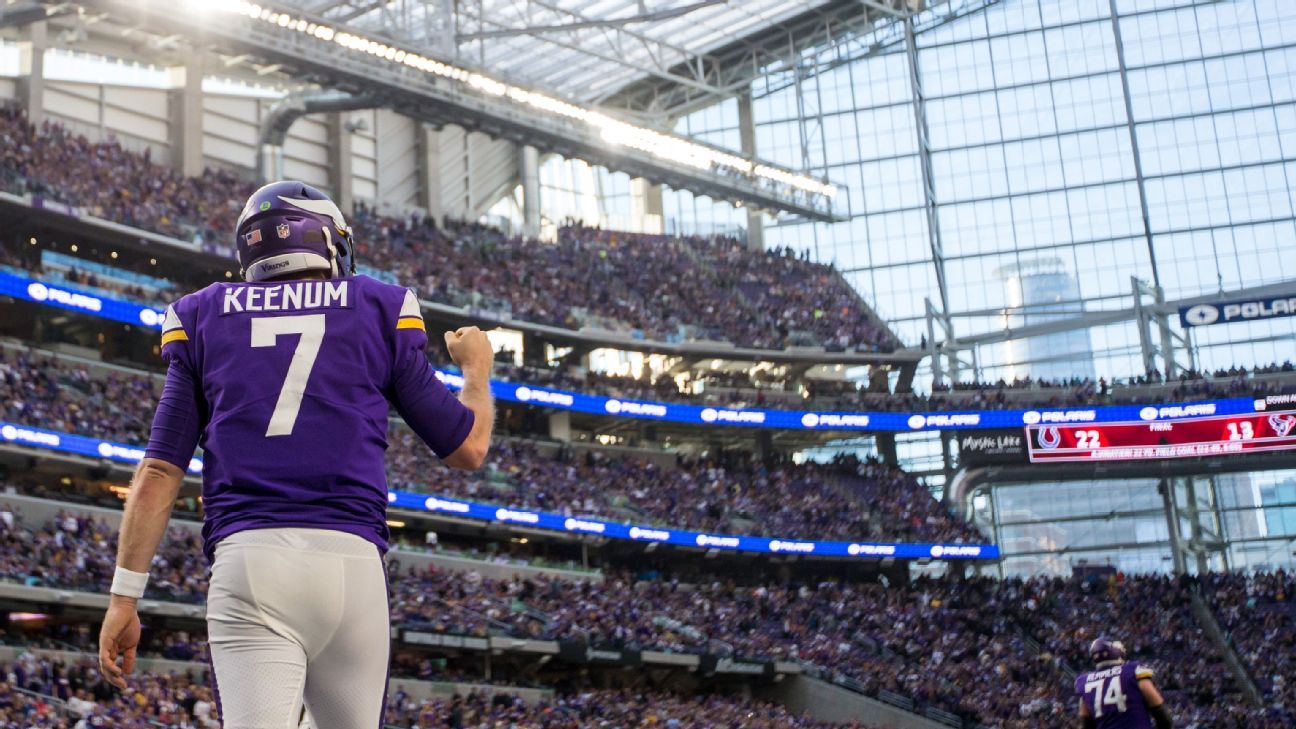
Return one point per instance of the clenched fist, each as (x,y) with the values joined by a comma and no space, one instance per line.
(471,350)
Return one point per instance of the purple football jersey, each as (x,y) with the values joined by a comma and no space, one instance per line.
(287,387)
(1113,697)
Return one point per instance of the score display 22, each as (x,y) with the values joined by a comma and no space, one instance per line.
(1189,438)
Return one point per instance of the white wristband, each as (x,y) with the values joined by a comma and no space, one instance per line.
(129,584)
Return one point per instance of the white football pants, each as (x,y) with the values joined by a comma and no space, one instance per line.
(298,614)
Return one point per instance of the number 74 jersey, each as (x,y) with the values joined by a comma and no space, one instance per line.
(287,387)
(1113,697)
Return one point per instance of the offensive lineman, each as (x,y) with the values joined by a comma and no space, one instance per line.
(285,379)
(1119,694)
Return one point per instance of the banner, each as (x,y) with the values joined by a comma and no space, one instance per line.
(710,665)
(1229,312)
(73,299)
(445,640)
(857,421)
(991,448)
(81,445)
(77,444)
(80,300)
(575,651)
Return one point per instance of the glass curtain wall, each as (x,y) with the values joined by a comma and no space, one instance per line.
(1040,159)
(1238,521)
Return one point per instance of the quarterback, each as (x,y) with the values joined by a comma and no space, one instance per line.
(286,379)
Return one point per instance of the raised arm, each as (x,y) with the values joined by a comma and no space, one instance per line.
(471,350)
(459,429)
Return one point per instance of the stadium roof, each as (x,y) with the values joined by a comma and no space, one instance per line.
(659,58)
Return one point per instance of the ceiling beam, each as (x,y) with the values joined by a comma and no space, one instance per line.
(443,95)
(886,6)
(672,76)
(588,23)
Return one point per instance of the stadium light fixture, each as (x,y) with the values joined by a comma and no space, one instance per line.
(613,131)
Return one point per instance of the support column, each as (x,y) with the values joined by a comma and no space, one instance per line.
(533,351)
(341,181)
(747,140)
(646,205)
(31,71)
(560,426)
(429,172)
(886,448)
(1197,539)
(924,157)
(445,39)
(1134,145)
(1166,488)
(530,170)
(185,107)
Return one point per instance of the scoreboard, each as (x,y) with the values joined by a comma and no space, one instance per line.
(1184,438)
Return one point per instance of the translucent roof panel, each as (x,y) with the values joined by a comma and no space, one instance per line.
(585,50)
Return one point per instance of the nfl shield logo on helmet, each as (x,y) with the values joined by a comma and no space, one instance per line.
(282,230)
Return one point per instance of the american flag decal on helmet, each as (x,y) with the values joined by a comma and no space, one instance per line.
(254,237)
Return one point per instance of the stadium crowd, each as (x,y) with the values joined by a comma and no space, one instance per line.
(1258,611)
(45,392)
(998,651)
(848,500)
(43,692)
(741,389)
(587,278)
(79,553)
(622,709)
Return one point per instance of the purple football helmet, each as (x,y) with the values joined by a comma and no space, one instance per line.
(1104,651)
(290,227)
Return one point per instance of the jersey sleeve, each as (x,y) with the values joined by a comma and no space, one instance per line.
(177,422)
(1141,672)
(426,405)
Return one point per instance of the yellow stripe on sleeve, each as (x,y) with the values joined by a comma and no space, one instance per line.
(410,322)
(175,335)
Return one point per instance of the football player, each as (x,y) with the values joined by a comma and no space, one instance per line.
(286,379)
(1119,694)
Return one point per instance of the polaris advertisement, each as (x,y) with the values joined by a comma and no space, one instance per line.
(1229,312)
(73,299)
(80,445)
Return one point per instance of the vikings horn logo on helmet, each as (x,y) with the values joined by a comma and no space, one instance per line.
(319,207)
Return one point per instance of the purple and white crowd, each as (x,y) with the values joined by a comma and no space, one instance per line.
(1000,652)
(847,500)
(587,278)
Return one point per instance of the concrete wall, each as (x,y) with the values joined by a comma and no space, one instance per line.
(826,702)
(472,171)
(396,158)
(413,687)
(151,665)
(462,175)
(137,117)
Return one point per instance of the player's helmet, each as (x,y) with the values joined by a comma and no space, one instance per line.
(1103,650)
(290,227)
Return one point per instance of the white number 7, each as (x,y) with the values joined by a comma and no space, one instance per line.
(265,332)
